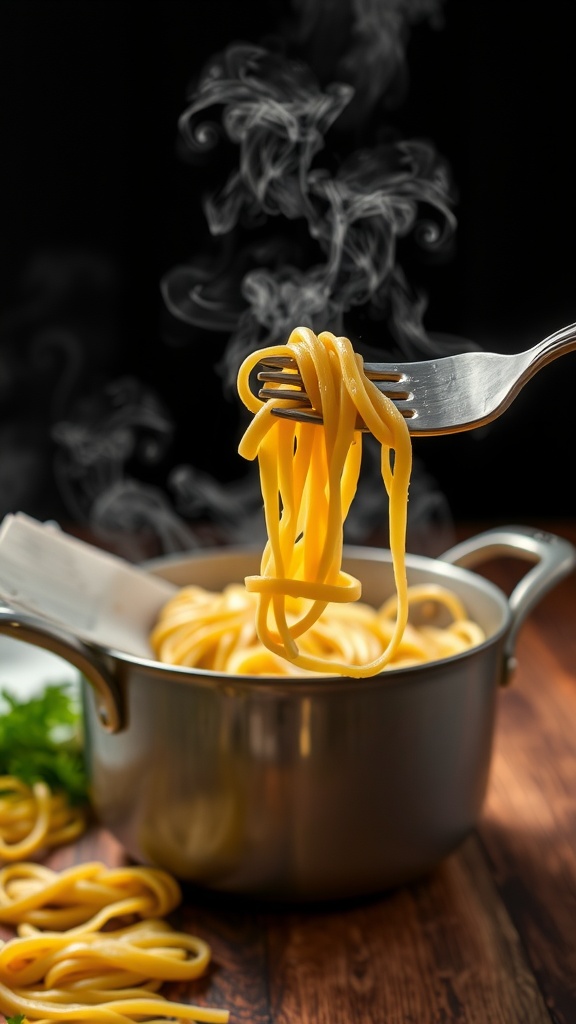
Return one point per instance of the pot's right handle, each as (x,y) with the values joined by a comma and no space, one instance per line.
(553,558)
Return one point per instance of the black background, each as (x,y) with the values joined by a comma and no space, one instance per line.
(90,176)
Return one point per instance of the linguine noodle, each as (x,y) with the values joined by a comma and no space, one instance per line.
(301,614)
(217,631)
(92,946)
(33,818)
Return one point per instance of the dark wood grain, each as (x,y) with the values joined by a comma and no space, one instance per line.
(488,938)
(440,950)
(529,823)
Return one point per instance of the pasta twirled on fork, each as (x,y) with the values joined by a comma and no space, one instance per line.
(301,614)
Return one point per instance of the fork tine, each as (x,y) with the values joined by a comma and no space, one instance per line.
(396,390)
(291,396)
(390,380)
(390,383)
(279,377)
(400,398)
(278,361)
(375,372)
(301,414)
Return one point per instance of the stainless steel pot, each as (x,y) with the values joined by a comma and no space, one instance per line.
(306,788)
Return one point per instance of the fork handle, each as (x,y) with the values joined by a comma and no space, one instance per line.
(556,344)
(550,348)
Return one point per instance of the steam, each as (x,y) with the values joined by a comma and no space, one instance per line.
(235,509)
(368,39)
(316,197)
(111,431)
(346,215)
(315,200)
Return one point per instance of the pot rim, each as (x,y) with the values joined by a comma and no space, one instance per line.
(445,570)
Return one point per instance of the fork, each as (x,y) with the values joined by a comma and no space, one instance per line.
(436,396)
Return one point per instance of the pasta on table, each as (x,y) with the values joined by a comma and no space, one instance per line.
(33,818)
(93,945)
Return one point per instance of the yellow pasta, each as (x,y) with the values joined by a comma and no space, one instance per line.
(309,478)
(302,613)
(67,962)
(217,631)
(33,818)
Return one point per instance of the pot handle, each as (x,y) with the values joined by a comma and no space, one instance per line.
(39,632)
(553,558)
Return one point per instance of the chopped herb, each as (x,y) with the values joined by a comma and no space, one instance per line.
(41,739)
(18,1018)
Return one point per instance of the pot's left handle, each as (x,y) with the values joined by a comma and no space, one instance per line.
(32,630)
(552,559)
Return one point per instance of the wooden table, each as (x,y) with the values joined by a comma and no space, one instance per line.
(489,938)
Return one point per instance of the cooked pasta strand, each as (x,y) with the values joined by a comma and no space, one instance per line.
(91,972)
(33,818)
(302,615)
(309,567)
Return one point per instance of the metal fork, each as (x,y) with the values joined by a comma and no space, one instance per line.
(437,396)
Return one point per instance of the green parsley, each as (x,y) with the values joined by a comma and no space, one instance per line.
(41,739)
(18,1018)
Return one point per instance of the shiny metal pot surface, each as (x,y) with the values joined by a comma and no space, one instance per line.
(308,788)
